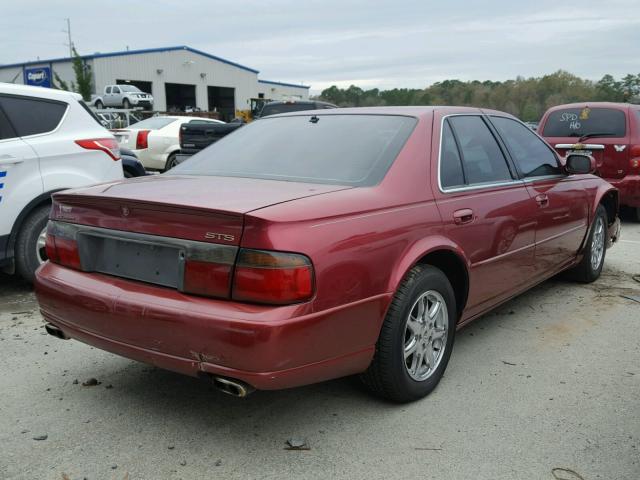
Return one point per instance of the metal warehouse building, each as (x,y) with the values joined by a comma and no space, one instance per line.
(177,77)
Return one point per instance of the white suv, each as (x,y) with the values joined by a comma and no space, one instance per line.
(49,141)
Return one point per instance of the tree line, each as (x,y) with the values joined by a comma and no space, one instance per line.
(526,98)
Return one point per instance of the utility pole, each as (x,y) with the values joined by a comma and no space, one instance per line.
(68,32)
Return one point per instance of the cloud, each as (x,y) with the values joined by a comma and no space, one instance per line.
(386,44)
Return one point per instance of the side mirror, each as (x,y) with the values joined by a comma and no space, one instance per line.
(579,164)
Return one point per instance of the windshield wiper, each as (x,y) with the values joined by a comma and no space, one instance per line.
(591,135)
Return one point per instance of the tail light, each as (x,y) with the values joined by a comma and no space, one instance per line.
(272,277)
(61,246)
(634,161)
(211,279)
(211,270)
(142,139)
(106,145)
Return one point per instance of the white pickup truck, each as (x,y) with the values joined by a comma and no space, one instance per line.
(122,96)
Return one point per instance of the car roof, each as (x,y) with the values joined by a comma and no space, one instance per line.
(40,92)
(309,102)
(617,105)
(412,111)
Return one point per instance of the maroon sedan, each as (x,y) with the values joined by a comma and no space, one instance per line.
(315,245)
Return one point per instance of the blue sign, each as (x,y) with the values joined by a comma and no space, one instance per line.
(40,76)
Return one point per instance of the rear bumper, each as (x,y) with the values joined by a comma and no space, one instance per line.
(629,188)
(266,347)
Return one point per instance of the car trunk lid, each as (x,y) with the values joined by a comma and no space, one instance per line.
(173,231)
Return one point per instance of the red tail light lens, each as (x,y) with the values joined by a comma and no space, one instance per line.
(61,248)
(634,161)
(142,139)
(205,278)
(107,145)
(272,277)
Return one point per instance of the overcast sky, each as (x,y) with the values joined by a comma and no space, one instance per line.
(382,44)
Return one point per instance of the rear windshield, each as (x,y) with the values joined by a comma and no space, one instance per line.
(155,123)
(352,150)
(576,122)
(273,109)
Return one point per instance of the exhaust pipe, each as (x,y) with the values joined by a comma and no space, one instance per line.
(235,388)
(55,331)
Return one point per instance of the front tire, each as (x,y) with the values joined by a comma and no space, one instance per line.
(126,104)
(416,338)
(590,267)
(29,251)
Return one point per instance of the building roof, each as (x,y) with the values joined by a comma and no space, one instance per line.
(132,52)
(271,82)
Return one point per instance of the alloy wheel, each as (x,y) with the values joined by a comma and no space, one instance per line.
(41,251)
(597,243)
(425,336)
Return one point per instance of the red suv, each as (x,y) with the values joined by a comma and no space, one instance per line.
(315,245)
(608,131)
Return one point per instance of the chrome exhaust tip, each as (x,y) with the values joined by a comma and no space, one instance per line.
(235,388)
(55,331)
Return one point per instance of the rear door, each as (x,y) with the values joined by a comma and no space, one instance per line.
(20,179)
(485,209)
(608,141)
(115,99)
(561,201)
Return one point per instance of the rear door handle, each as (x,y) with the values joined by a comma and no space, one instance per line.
(462,216)
(10,160)
(542,200)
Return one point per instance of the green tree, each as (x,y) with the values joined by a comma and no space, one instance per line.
(83,84)
(526,98)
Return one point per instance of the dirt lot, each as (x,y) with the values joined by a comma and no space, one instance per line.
(550,379)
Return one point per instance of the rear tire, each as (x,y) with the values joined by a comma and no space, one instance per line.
(590,267)
(29,253)
(413,348)
(171,162)
(99,105)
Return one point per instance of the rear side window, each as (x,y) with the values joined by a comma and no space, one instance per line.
(533,156)
(482,159)
(352,150)
(32,116)
(450,163)
(6,130)
(576,122)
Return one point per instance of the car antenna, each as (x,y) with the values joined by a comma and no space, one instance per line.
(314,119)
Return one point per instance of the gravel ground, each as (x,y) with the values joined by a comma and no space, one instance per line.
(550,379)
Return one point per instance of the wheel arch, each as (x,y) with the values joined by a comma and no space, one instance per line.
(609,199)
(444,255)
(39,201)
